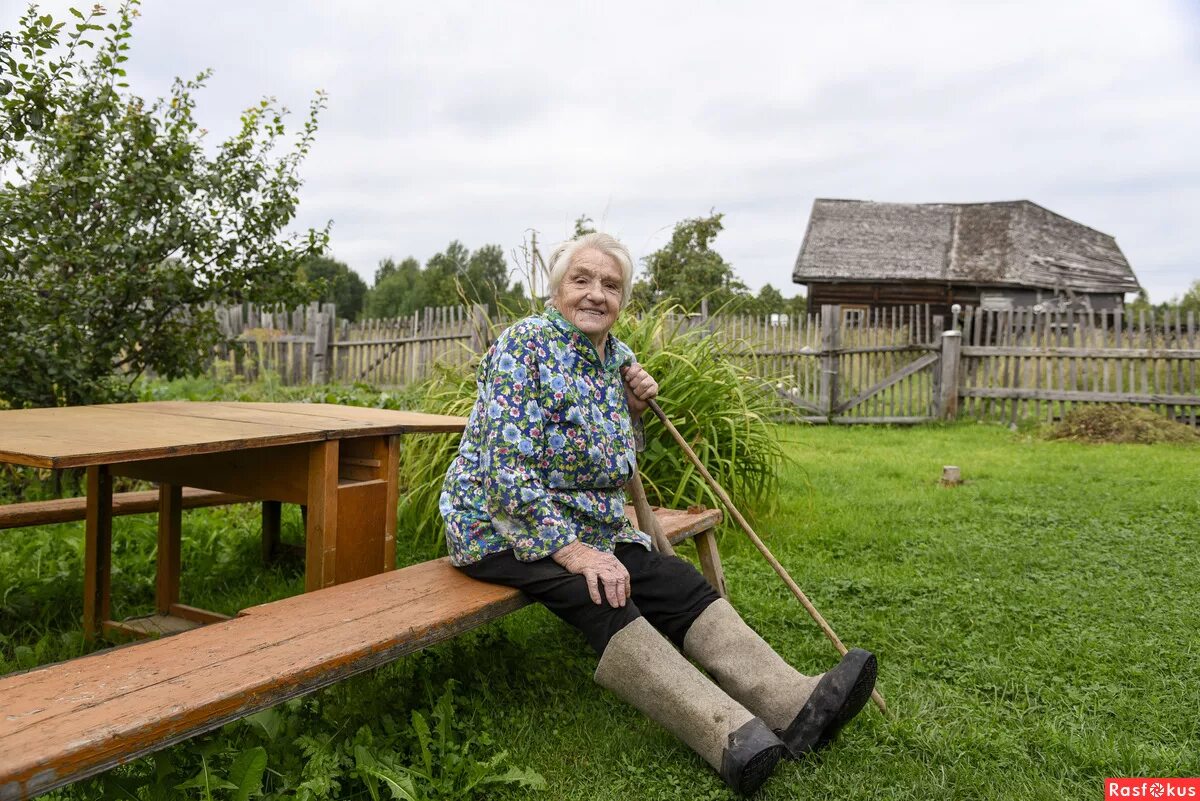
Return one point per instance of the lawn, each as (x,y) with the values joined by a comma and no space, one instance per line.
(1037,628)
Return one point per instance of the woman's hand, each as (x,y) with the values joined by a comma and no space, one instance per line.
(639,389)
(597,568)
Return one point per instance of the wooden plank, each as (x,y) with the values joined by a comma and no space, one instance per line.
(361,529)
(1089,397)
(391,474)
(320,558)
(79,436)
(891,380)
(710,561)
(359,420)
(1079,352)
(278,473)
(885,420)
(66,510)
(170,530)
(97,551)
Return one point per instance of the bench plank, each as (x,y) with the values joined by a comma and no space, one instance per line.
(64,722)
(68,510)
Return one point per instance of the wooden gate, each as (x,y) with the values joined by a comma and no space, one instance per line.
(880,365)
(851,365)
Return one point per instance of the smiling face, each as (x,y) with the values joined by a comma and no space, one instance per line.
(590,294)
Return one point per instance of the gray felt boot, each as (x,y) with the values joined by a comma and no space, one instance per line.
(642,668)
(806,711)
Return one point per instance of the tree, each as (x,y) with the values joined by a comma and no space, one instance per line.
(394,284)
(338,284)
(1190,302)
(32,85)
(118,233)
(687,269)
(583,225)
(770,300)
(454,276)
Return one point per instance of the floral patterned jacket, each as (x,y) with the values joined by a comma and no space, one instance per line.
(547,449)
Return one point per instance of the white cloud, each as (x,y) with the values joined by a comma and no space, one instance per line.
(477,121)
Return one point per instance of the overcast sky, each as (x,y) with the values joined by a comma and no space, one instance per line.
(478,121)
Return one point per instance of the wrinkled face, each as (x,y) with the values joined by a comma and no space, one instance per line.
(590,293)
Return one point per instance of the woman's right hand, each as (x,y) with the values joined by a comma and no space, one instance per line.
(599,569)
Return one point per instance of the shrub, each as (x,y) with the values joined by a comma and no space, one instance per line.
(719,407)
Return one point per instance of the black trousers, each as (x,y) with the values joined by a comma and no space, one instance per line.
(667,590)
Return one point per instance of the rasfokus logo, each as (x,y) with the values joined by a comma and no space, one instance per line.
(1151,788)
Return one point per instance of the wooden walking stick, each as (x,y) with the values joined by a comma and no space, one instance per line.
(758,543)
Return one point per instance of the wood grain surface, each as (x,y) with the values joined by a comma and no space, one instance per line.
(78,436)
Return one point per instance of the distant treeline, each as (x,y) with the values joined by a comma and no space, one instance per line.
(684,271)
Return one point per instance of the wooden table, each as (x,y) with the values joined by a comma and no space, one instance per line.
(341,462)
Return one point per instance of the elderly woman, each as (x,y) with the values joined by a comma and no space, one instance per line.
(535,500)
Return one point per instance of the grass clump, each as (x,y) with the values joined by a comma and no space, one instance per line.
(1121,425)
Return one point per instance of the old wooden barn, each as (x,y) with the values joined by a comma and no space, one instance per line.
(864,255)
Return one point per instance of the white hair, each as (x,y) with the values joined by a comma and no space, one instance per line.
(564,253)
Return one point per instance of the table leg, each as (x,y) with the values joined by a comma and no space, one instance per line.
(170,535)
(272,521)
(320,535)
(97,551)
(392,476)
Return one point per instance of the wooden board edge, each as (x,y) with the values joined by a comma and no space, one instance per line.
(46,779)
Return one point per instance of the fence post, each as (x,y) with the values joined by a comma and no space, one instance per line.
(948,388)
(322,350)
(481,333)
(830,335)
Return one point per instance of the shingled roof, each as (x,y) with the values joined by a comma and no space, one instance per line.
(1015,243)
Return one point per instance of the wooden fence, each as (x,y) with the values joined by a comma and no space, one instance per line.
(893,365)
(1023,364)
(309,345)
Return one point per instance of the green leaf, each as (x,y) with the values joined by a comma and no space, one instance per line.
(247,773)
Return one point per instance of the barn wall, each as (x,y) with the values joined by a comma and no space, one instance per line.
(941,296)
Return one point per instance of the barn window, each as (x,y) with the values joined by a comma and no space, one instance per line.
(854,316)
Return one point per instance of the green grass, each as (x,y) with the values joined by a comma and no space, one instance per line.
(1037,628)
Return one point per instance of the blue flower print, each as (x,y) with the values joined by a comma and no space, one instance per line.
(538,467)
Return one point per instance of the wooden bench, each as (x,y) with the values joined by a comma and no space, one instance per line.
(68,510)
(67,721)
(71,510)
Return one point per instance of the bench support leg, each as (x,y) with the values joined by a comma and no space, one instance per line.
(97,551)
(170,536)
(710,561)
(272,524)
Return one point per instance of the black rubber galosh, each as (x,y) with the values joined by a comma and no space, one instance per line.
(839,696)
(750,756)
